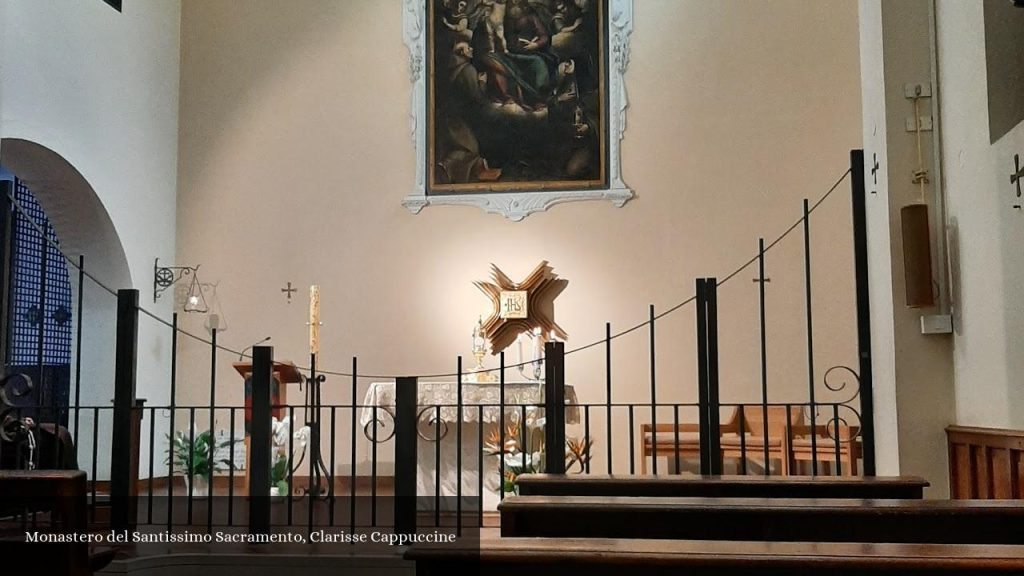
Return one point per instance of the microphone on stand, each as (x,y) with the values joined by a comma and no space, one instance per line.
(241,355)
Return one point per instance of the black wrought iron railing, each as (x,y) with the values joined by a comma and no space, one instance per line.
(405,460)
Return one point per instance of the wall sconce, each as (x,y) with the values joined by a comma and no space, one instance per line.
(166,276)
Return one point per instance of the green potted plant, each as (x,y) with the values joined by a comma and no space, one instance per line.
(195,457)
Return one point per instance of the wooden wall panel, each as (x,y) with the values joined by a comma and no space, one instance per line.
(985,463)
(999,467)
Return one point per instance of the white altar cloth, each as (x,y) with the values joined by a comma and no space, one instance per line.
(478,399)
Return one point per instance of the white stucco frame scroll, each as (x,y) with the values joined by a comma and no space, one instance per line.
(518,205)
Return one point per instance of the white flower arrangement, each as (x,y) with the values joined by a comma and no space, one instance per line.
(280,460)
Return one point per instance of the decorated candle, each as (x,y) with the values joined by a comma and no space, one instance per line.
(314,319)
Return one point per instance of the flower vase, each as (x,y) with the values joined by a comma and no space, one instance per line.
(200,485)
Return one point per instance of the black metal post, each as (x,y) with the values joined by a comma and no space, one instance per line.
(259,440)
(231,468)
(707,376)
(352,461)
(714,414)
(554,407)
(501,427)
(46,385)
(6,225)
(860,247)
(654,396)
(608,387)
(405,455)
(124,439)
(213,427)
(764,355)
(173,410)
(458,449)
(632,440)
(704,426)
(810,338)
(78,343)
(152,441)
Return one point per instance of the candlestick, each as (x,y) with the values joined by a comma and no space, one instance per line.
(538,365)
(479,342)
(314,319)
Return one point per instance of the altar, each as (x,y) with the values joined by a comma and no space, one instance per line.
(437,409)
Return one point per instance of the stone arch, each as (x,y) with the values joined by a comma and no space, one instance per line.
(84,227)
(73,207)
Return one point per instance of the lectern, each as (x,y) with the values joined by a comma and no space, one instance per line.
(284,373)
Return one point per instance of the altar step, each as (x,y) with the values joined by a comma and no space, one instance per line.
(242,560)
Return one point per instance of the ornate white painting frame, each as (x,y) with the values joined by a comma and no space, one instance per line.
(516,205)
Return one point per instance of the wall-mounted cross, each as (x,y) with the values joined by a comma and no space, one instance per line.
(1016,176)
(874,170)
(289,291)
(1018,173)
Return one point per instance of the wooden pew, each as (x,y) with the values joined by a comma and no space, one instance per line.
(601,557)
(904,487)
(768,519)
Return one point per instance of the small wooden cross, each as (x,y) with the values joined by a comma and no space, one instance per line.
(289,291)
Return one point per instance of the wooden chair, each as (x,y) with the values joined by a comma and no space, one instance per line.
(751,445)
(824,449)
(688,445)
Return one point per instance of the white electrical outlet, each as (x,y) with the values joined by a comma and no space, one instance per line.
(937,324)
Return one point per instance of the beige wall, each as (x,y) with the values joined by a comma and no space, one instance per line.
(295,153)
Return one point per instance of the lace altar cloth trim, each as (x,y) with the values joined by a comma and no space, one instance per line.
(517,394)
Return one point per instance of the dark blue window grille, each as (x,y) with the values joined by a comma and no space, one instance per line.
(27,248)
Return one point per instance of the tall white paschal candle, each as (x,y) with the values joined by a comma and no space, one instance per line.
(314,319)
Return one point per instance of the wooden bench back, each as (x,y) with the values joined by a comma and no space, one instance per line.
(754,416)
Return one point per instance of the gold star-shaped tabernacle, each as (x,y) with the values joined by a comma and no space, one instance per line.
(521,307)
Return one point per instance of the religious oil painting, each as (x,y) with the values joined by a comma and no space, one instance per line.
(517,95)
(517,105)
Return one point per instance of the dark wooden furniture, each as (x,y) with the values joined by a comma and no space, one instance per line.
(985,463)
(769,519)
(602,557)
(284,373)
(59,499)
(905,487)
